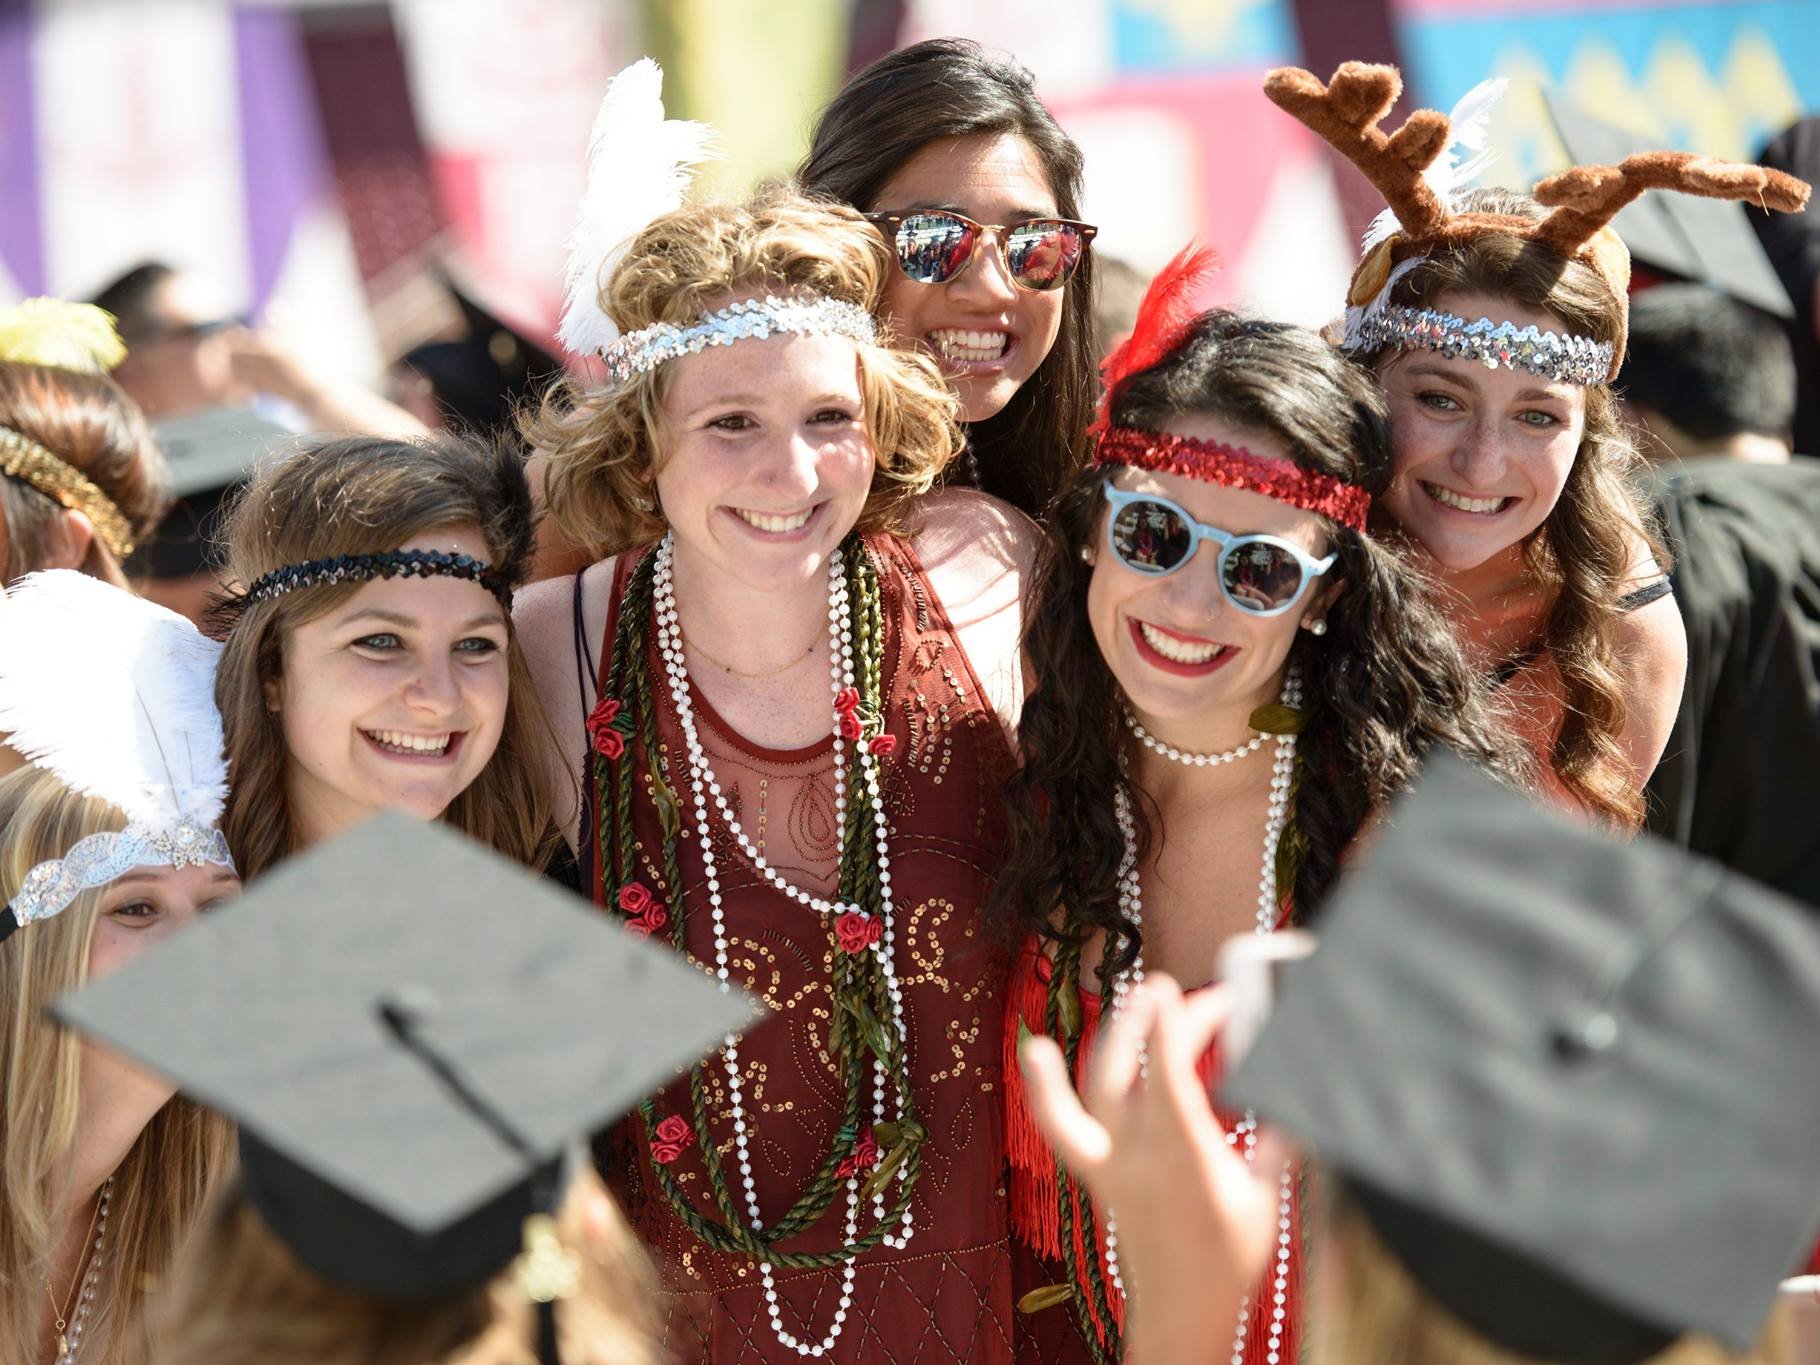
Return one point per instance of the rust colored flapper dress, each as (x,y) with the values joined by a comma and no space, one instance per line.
(946,1297)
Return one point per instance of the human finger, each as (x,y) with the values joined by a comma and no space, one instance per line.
(1118,1053)
(1078,1138)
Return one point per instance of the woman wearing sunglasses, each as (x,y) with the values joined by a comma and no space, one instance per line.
(1229,679)
(958,163)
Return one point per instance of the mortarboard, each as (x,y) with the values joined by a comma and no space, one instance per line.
(1571,1083)
(482,378)
(410,1031)
(1706,241)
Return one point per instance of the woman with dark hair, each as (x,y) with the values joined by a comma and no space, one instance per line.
(949,151)
(371,662)
(80,478)
(1497,327)
(1230,679)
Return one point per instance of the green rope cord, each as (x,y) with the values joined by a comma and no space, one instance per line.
(858,977)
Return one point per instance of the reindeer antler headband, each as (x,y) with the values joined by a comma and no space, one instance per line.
(1346,112)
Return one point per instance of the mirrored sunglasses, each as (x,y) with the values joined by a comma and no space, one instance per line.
(934,245)
(1260,575)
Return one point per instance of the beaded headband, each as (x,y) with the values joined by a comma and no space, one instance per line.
(750,319)
(1235,467)
(318,573)
(1547,355)
(97,860)
(64,484)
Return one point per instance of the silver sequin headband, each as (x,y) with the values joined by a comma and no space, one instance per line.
(1547,355)
(97,860)
(750,319)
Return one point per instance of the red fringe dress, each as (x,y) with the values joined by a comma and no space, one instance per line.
(1036,1209)
(945,1299)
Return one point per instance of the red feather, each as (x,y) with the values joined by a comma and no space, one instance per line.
(1163,318)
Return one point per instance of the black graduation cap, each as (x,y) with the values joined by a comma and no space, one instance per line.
(481,378)
(209,453)
(1707,241)
(410,1031)
(1573,1084)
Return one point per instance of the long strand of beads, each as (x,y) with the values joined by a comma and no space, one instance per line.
(703,786)
(1244,1133)
(1182,756)
(91,1282)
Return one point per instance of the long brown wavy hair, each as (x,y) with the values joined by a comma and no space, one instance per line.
(239,1297)
(1385,684)
(366,495)
(948,87)
(603,442)
(166,1174)
(1585,553)
(88,422)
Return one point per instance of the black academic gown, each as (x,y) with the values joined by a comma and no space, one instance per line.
(1740,780)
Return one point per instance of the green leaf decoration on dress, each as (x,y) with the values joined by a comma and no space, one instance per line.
(669,811)
(1068,1009)
(1278,719)
(1047,1297)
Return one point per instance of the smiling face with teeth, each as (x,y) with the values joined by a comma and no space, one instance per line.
(1481,455)
(766,463)
(988,334)
(395,699)
(1192,666)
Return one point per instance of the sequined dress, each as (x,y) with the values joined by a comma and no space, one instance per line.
(946,1297)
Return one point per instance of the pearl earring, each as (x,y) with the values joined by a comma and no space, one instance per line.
(1086,554)
(1318,628)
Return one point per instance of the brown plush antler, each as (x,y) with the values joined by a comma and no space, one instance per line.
(1346,112)
(1586,198)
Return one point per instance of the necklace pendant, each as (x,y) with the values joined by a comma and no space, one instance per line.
(63,1350)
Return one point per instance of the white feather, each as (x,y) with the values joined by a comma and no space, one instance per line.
(1358,315)
(1452,172)
(114,695)
(639,165)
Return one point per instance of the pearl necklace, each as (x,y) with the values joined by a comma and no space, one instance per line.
(1131,906)
(69,1346)
(704,786)
(1175,755)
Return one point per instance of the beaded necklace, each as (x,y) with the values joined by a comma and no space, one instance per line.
(867,1032)
(1063,1020)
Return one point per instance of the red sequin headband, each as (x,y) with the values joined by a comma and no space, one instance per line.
(1235,467)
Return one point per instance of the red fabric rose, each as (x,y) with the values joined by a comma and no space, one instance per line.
(856,931)
(884,744)
(673,1138)
(850,727)
(846,701)
(603,734)
(635,898)
(654,918)
(864,1158)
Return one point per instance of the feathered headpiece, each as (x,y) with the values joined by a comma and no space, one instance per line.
(1164,318)
(69,336)
(639,165)
(115,696)
(1346,112)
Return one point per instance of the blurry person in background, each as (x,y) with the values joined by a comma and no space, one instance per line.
(1792,242)
(1711,383)
(1708,376)
(1118,288)
(934,142)
(220,392)
(472,375)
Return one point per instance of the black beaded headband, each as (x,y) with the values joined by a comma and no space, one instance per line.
(318,573)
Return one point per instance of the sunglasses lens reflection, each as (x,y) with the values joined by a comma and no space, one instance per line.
(1261,576)
(932,247)
(1042,255)
(1150,537)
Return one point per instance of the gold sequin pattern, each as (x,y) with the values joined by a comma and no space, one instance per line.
(60,481)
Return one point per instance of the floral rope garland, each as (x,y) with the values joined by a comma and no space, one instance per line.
(623,734)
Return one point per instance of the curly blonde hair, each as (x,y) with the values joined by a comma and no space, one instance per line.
(604,445)
(1585,552)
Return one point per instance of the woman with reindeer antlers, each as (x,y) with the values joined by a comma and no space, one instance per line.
(1496,322)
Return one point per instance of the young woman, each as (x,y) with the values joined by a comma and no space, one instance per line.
(789,718)
(370,660)
(1230,677)
(968,175)
(1497,327)
(107,847)
(80,477)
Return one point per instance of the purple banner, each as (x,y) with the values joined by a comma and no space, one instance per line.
(282,157)
(21,205)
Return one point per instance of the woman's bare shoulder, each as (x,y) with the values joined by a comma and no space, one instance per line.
(954,526)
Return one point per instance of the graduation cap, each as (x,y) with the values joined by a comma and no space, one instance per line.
(481,378)
(209,453)
(1706,241)
(410,1031)
(1572,1084)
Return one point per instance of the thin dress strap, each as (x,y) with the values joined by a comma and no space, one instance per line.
(1643,596)
(586,674)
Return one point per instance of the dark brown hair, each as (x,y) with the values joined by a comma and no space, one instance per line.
(365,495)
(1383,686)
(88,422)
(943,88)
(1584,553)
